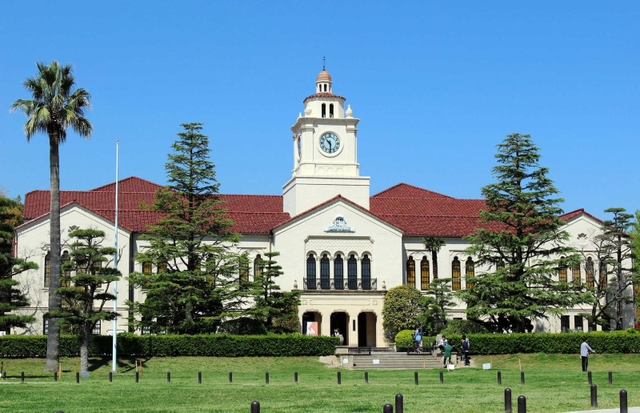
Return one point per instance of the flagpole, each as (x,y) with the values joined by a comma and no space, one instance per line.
(115,266)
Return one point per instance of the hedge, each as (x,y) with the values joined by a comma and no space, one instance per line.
(215,345)
(567,343)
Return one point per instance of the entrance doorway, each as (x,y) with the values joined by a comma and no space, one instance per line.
(367,329)
(307,319)
(340,321)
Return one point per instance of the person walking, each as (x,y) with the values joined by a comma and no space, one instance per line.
(465,349)
(585,349)
(448,348)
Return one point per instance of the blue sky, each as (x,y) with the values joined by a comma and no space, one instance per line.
(437,85)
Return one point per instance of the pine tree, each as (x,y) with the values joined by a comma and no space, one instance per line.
(196,284)
(11,298)
(521,243)
(277,310)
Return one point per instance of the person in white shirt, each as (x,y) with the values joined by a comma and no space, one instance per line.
(585,349)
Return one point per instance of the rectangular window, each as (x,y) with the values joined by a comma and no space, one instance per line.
(578,322)
(562,274)
(564,323)
(97,329)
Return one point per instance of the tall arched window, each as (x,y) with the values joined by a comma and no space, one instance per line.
(411,272)
(455,274)
(589,270)
(47,270)
(576,274)
(258,265)
(338,272)
(324,110)
(331,110)
(325,282)
(352,272)
(469,272)
(311,272)
(562,273)
(162,267)
(602,279)
(243,272)
(366,272)
(65,265)
(424,274)
(147,268)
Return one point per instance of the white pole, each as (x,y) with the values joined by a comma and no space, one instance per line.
(115,265)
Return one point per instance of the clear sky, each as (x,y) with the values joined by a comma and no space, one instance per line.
(437,85)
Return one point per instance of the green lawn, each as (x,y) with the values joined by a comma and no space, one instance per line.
(554,383)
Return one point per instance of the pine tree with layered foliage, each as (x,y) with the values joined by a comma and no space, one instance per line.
(86,281)
(521,244)
(11,297)
(196,283)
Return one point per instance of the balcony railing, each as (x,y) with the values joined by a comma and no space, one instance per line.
(340,284)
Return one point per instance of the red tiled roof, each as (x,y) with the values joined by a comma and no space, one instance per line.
(323,95)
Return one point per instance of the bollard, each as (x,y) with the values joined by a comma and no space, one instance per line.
(399,403)
(199,377)
(594,395)
(366,377)
(55,376)
(110,376)
(507,400)
(266,377)
(522,378)
(137,377)
(415,377)
(388,408)
(441,378)
(589,378)
(339,378)
(295,377)
(623,402)
(168,377)
(522,404)
(77,377)
(230,377)
(499,377)
(255,407)
(610,377)
(22,376)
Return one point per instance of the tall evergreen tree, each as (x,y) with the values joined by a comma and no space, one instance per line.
(437,300)
(11,298)
(635,254)
(197,281)
(277,310)
(521,243)
(54,107)
(85,290)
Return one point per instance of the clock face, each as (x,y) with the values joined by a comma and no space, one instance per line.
(329,142)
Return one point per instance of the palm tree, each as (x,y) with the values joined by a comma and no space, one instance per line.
(55,106)
(433,244)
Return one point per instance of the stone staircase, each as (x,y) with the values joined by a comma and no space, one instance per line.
(389,359)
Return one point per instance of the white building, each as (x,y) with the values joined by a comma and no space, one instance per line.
(338,243)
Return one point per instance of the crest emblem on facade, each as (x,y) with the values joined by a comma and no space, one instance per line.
(339,225)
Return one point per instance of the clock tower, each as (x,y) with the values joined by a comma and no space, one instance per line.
(325,153)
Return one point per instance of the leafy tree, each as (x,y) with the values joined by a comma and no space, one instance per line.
(54,107)
(435,303)
(635,251)
(196,285)
(11,297)
(277,310)
(521,242)
(612,288)
(85,289)
(401,310)
(434,244)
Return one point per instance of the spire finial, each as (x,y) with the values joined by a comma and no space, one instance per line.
(323,61)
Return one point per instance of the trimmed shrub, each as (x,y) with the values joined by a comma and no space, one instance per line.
(215,345)
(404,340)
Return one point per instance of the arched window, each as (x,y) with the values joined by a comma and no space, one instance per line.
(455,274)
(469,272)
(147,268)
(589,270)
(338,272)
(243,272)
(47,270)
(325,282)
(366,272)
(162,267)
(325,88)
(411,272)
(602,279)
(258,266)
(562,273)
(576,274)
(311,272)
(331,110)
(65,265)
(324,110)
(424,274)
(352,272)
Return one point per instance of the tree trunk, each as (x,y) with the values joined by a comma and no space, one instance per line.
(434,258)
(55,302)
(84,349)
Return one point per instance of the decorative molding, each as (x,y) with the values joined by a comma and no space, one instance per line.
(339,225)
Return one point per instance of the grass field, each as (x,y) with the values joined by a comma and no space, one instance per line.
(553,383)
